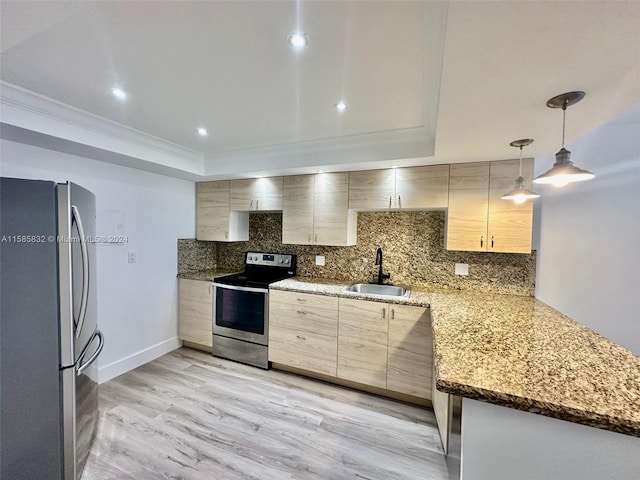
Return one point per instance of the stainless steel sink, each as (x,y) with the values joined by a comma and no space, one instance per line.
(375,289)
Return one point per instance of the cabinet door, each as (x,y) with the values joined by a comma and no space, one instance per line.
(372,189)
(363,328)
(422,187)
(297,209)
(410,354)
(468,204)
(303,331)
(509,223)
(195,322)
(268,193)
(212,216)
(242,194)
(334,223)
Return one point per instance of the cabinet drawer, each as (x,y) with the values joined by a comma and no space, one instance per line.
(305,350)
(308,300)
(304,319)
(196,290)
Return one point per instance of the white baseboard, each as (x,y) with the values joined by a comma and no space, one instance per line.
(119,367)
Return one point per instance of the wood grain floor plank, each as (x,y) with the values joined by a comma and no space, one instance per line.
(191,416)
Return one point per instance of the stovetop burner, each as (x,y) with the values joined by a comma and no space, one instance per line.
(262,269)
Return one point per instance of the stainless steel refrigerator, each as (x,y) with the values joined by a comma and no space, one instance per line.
(49,339)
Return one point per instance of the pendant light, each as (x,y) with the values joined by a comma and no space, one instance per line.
(564,171)
(520,193)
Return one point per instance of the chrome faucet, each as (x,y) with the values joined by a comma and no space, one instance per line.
(381,276)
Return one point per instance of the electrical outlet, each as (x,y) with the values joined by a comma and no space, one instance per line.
(462,269)
(132,257)
(320,260)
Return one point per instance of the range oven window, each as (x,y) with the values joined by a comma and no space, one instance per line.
(240,310)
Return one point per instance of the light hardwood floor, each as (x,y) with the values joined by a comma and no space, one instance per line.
(188,415)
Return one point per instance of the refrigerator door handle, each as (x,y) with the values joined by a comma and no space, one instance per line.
(82,366)
(85,271)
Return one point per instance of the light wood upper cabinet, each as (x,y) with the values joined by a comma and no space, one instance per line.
(468,204)
(315,210)
(303,331)
(214,219)
(478,219)
(424,187)
(410,353)
(333,222)
(510,224)
(256,194)
(195,321)
(297,209)
(372,189)
(362,341)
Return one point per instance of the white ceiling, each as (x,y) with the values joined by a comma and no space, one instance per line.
(425,82)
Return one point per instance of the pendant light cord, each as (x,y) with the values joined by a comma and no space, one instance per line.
(564,118)
(520,161)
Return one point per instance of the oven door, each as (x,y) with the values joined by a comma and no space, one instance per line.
(241,313)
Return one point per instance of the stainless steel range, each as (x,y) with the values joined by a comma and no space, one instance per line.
(241,308)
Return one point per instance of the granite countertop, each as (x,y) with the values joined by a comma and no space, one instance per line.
(336,288)
(205,275)
(518,352)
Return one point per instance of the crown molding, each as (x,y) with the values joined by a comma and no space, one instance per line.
(31,111)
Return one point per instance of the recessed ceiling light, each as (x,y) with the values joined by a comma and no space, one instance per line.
(202,132)
(394,166)
(341,106)
(298,40)
(119,93)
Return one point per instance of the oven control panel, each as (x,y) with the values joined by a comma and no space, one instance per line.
(269,259)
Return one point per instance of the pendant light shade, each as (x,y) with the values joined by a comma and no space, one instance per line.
(563,170)
(520,193)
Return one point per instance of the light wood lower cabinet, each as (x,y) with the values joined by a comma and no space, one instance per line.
(195,321)
(362,342)
(410,354)
(373,344)
(303,331)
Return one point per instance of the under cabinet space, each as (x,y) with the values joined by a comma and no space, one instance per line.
(195,320)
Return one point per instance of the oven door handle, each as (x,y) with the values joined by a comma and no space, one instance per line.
(242,289)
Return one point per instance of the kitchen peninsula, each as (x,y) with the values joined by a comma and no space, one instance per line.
(517,352)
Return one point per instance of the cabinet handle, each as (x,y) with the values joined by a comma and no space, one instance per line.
(316,238)
(226,235)
(251,205)
(399,202)
(482,241)
(309,238)
(300,338)
(491,241)
(301,312)
(384,312)
(257,205)
(389,201)
(393,313)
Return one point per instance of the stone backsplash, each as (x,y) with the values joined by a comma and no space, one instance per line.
(194,255)
(413,251)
